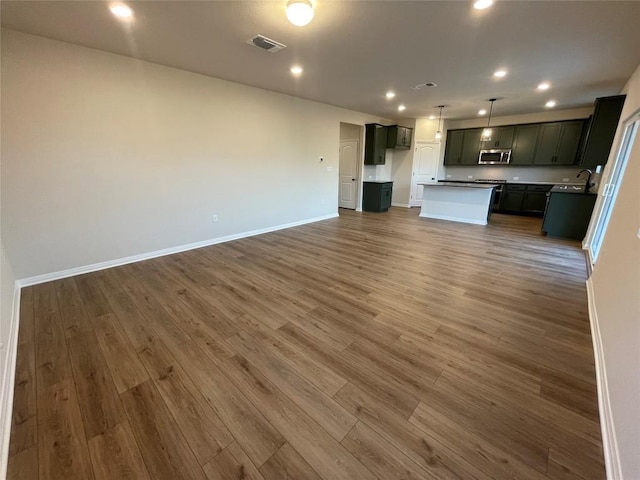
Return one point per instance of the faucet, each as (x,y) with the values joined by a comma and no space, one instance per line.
(588,185)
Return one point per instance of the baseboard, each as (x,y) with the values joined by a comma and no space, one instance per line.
(48,277)
(453,219)
(8,381)
(404,205)
(609,442)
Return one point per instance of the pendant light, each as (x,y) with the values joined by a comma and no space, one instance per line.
(486,133)
(439,132)
(299,12)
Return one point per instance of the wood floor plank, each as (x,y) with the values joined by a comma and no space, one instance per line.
(163,447)
(287,464)
(257,437)
(97,395)
(200,425)
(126,369)
(325,455)
(62,447)
(457,351)
(232,464)
(24,465)
(115,455)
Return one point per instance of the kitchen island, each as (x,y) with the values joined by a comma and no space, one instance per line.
(458,202)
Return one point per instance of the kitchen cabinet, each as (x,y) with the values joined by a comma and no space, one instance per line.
(568,214)
(602,130)
(376,196)
(463,147)
(535,198)
(501,137)
(399,137)
(453,148)
(524,144)
(375,144)
(512,197)
(524,198)
(558,143)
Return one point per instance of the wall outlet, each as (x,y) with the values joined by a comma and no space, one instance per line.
(516,178)
(469,176)
(370,177)
(214,218)
(448,176)
(565,179)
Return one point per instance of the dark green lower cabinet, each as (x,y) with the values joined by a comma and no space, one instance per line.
(526,199)
(568,215)
(376,196)
(511,200)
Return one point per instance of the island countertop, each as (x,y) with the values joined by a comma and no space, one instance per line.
(458,184)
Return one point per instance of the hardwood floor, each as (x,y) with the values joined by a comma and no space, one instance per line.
(367,346)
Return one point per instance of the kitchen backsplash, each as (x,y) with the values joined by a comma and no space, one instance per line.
(514,174)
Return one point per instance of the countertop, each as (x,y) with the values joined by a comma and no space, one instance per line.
(377,181)
(459,184)
(572,189)
(519,182)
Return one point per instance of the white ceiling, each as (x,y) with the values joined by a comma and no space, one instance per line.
(354,51)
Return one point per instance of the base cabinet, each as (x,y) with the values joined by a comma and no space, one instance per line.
(568,215)
(376,196)
(524,199)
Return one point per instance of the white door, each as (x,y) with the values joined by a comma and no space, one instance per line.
(425,169)
(348,174)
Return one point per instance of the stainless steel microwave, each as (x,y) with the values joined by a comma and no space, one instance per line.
(497,156)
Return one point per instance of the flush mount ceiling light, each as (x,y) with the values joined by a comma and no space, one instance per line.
(401,108)
(550,104)
(486,133)
(482,4)
(500,73)
(296,69)
(299,12)
(390,95)
(121,11)
(544,86)
(482,112)
(439,132)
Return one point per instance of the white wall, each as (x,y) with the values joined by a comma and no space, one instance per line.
(402,167)
(616,296)
(104,156)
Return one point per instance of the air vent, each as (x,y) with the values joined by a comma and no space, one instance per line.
(422,85)
(265,43)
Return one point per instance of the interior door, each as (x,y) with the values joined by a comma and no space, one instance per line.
(348,174)
(425,169)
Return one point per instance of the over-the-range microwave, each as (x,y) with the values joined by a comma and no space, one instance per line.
(496,156)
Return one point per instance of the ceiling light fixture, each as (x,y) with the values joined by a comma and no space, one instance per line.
(544,86)
(482,112)
(296,70)
(550,104)
(486,133)
(500,73)
(299,12)
(390,95)
(402,108)
(121,11)
(439,132)
(482,4)
(432,117)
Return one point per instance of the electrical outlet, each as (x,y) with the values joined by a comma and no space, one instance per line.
(448,176)
(565,179)
(469,176)
(516,178)
(215,218)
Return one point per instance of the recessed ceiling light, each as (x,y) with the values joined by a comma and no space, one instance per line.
(482,4)
(299,12)
(544,86)
(391,94)
(500,73)
(401,107)
(432,117)
(121,11)
(296,69)
(482,112)
(550,104)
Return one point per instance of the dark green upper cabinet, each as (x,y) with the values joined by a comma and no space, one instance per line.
(453,148)
(399,137)
(501,137)
(558,143)
(602,130)
(524,144)
(375,144)
(471,147)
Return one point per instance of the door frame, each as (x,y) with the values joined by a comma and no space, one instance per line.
(413,167)
(358,172)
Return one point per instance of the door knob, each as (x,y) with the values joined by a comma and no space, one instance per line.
(353,179)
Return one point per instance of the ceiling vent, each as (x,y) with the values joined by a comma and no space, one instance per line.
(265,43)
(422,85)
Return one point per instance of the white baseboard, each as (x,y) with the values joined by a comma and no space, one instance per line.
(453,219)
(48,277)
(609,442)
(404,205)
(8,381)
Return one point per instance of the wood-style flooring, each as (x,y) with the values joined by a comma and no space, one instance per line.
(368,346)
